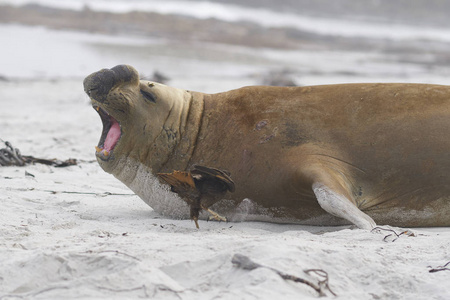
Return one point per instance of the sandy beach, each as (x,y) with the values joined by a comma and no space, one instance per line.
(78,233)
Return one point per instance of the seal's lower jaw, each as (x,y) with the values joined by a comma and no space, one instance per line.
(111,134)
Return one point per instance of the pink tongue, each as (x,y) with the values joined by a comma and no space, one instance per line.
(113,136)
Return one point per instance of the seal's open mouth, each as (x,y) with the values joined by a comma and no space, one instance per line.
(111,134)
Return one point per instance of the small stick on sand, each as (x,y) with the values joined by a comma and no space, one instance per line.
(245,263)
(440,268)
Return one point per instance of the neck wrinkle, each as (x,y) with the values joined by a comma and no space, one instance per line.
(189,129)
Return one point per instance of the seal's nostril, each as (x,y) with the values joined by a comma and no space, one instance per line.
(89,92)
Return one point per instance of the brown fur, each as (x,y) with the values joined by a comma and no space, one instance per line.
(385,147)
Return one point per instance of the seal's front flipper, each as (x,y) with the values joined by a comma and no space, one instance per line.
(200,188)
(340,206)
(181,183)
(213,181)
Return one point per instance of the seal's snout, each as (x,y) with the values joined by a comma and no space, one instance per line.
(98,84)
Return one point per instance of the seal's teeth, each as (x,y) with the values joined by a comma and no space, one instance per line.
(97,108)
(106,153)
(98,149)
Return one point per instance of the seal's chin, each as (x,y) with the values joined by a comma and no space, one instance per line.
(111,134)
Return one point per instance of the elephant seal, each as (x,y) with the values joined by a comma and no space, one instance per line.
(318,155)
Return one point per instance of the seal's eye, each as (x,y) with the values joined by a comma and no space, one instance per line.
(148,96)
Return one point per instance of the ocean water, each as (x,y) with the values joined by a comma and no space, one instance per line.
(262,16)
(41,53)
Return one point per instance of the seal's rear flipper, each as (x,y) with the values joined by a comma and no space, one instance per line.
(338,205)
